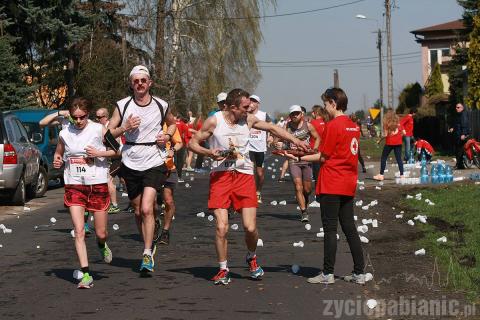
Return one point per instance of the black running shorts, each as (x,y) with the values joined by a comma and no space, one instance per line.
(137,180)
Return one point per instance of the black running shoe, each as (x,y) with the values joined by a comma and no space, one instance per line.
(165,237)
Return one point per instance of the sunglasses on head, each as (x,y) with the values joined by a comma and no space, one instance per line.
(99,117)
(79,118)
(142,80)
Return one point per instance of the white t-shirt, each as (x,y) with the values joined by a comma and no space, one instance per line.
(258,138)
(223,137)
(79,169)
(143,157)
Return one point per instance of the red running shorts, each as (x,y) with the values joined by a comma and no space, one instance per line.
(92,197)
(232,188)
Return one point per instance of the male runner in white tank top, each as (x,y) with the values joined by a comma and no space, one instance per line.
(257,144)
(231,181)
(141,118)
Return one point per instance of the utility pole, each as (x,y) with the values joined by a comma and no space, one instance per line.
(336,81)
(389,53)
(379,47)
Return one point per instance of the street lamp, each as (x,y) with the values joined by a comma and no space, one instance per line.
(379,47)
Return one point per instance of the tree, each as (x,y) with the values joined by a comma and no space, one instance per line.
(473,66)
(409,97)
(434,83)
(47,33)
(14,92)
(360,114)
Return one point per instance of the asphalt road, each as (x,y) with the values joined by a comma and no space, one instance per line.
(38,258)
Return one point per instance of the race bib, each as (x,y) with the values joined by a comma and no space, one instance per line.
(256,135)
(82,167)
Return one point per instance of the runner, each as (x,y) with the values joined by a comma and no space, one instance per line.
(141,119)
(301,172)
(338,183)
(180,154)
(168,190)
(102,116)
(81,147)
(257,145)
(231,179)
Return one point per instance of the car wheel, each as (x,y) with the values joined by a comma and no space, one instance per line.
(42,182)
(19,194)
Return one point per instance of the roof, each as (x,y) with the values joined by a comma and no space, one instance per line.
(447,26)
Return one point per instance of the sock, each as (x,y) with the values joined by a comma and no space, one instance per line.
(101,245)
(251,254)
(223,265)
(303,210)
(114,204)
(147,252)
(85,269)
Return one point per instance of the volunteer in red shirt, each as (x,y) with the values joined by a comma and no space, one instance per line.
(338,182)
(423,146)
(393,141)
(407,123)
(319,119)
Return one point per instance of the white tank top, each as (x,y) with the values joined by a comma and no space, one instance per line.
(78,168)
(143,157)
(225,136)
(258,138)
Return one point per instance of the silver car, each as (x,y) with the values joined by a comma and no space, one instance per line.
(19,160)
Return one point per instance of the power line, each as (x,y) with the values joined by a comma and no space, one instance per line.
(340,64)
(275,15)
(413,53)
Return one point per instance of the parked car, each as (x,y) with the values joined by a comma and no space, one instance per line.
(19,161)
(47,145)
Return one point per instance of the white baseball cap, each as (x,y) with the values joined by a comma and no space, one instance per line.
(222,96)
(139,70)
(295,108)
(255,97)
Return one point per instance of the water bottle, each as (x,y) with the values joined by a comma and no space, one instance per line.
(424,174)
(424,159)
(434,174)
(441,173)
(448,174)
(411,159)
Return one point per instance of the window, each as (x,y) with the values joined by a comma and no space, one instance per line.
(433,58)
(445,52)
(21,129)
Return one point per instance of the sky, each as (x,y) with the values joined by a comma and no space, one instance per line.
(337,34)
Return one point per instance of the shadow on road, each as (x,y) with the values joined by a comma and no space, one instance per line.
(205,273)
(283,216)
(67,274)
(305,272)
(132,236)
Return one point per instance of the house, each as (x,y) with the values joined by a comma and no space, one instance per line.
(438,46)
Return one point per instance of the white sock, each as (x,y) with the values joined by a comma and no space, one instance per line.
(223,265)
(114,204)
(251,254)
(147,251)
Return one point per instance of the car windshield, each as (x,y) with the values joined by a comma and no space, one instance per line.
(33,127)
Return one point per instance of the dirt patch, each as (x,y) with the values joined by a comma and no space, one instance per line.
(398,272)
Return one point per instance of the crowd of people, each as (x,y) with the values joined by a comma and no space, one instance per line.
(148,148)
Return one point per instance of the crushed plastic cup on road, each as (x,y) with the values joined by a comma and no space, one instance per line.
(368,276)
(320,234)
(274,203)
(364,239)
(201,214)
(399,216)
(283,203)
(365,207)
(409,196)
(298,244)
(375,223)
(115,227)
(234,226)
(295,268)
(187,185)
(410,222)
(338,236)
(210,218)
(371,303)
(362,229)
(77,274)
(72,233)
(192,178)
(53,220)
(442,239)
(26,208)
(420,252)
(361,188)
(259,243)
(38,247)
(378,188)
(359,203)
(273,176)
(124,194)
(314,204)
(308,226)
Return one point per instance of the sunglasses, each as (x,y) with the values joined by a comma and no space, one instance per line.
(295,114)
(138,81)
(100,117)
(80,118)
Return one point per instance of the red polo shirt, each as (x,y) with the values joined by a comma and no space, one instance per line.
(339,145)
(407,123)
(319,125)
(395,139)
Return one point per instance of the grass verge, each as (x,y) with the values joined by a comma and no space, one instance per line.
(455,215)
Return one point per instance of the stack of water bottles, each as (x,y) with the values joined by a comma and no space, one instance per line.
(439,172)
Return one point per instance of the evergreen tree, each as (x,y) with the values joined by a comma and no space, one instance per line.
(434,84)
(14,92)
(409,97)
(473,66)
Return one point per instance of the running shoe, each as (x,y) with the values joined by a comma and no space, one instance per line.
(164,237)
(86,282)
(322,278)
(304,216)
(256,272)
(156,232)
(113,209)
(355,278)
(147,263)
(189,169)
(87,228)
(378,177)
(222,277)
(106,253)
(259,197)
